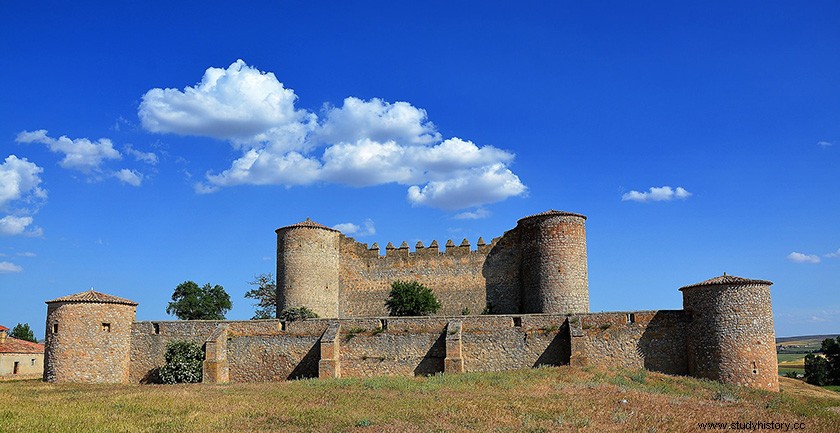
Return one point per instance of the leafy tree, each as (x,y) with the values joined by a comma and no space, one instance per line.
(824,370)
(191,302)
(816,370)
(183,363)
(831,349)
(266,295)
(297,313)
(22,332)
(410,298)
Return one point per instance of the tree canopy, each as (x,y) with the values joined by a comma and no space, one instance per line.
(191,302)
(410,298)
(265,292)
(22,332)
(825,369)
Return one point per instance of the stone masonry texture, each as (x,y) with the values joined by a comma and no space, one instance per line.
(538,267)
(731,335)
(533,278)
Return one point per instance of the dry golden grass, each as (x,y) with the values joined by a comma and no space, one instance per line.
(536,400)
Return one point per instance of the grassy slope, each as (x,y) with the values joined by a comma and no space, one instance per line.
(544,399)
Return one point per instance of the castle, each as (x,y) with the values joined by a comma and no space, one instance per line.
(533,280)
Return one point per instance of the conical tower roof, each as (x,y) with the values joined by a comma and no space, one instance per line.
(94,297)
(552,212)
(727,280)
(307,223)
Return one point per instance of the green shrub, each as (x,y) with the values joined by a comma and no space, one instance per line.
(297,313)
(410,298)
(183,363)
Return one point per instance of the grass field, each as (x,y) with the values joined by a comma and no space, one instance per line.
(534,400)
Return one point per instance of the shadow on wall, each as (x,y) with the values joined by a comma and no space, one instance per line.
(307,368)
(559,351)
(433,360)
(501,274)
(662,345)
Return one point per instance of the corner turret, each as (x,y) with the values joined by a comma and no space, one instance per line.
(731,337)
(88,338)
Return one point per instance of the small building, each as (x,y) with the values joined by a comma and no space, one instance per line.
(20,358)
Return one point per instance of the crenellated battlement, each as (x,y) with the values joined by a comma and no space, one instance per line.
(724,333)
(420,250)
(337,276)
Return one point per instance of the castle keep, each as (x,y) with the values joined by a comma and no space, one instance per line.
(538,267)
(533,279)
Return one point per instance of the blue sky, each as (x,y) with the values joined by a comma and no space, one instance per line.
(145,144)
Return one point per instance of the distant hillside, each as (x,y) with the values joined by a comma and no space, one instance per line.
(805,338)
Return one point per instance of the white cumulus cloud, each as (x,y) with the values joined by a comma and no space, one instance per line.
(367,228)
(13,225)
(147,157)
(472,188)
(662,193)
(240,104)
(477,214)
(376,120)
(803,258)
(80,154)
(20,180)
(362,143)
(833,255)
(20,195)
(131,177)
(9,268)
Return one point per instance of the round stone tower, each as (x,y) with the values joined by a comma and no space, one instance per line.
(730,335)
(88,338)
(553,267)
(308,268)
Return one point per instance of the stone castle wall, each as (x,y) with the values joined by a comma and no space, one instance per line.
(534,278)
(540,266)
(653,340)
(454,275)
(270,350)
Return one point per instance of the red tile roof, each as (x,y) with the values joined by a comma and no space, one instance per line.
(3,328)
(13,345)
(727,280)
(91,296)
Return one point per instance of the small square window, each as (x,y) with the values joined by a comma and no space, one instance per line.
(631,318)
(106,327)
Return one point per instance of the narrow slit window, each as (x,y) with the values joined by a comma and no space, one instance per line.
(156,328)
(55,328)
(32,362)
(631,317)
(106,327)
(755,370)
